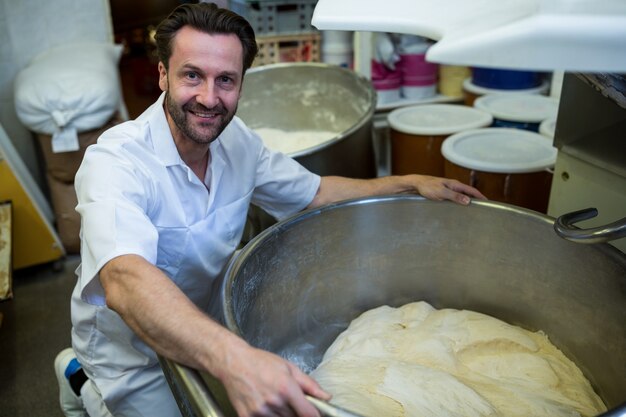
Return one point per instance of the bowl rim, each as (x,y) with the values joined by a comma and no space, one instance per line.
(360,79)
(239,258)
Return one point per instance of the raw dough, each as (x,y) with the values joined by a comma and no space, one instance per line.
(293,141)
(419,361)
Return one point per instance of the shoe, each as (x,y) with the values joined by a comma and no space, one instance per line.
(66,364)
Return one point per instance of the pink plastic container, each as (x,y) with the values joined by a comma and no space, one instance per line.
(386,82)
(419,77)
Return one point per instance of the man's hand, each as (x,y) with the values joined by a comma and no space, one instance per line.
(260,383)
(436,188)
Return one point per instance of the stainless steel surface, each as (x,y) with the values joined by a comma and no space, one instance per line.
(590,124)
(590,170)
(192,395)
(312,97)
(317,97)
(296,286)
(564,227)
(330,410)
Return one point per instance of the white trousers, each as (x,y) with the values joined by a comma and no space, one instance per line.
(92,400)
(156,400)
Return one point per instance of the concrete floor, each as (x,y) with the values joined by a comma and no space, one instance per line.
(35,327)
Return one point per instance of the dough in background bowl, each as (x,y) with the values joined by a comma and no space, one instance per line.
(419,361)
(291,142)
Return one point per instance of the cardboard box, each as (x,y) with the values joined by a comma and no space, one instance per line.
(288,48)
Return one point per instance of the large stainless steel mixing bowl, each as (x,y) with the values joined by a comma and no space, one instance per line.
(315,97)
(297,285)
(295,97)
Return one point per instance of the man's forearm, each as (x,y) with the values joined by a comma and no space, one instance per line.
(334,189)
(162,315)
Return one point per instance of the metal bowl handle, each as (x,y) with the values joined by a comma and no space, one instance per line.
(564,227)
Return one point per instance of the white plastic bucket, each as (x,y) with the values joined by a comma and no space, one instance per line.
(508,165)
(337,48)
(338,55)
(417,133)
(520,111)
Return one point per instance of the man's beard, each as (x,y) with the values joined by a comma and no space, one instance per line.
(179,116)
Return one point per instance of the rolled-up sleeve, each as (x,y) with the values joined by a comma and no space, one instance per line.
(113,201)
(283,186)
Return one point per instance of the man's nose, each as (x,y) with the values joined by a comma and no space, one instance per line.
(208,95)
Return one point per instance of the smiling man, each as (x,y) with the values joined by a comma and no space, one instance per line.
(163,202)
(203,90)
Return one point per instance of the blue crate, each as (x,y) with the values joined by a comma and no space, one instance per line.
(276,17)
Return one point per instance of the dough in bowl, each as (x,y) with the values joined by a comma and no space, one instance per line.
(417,361)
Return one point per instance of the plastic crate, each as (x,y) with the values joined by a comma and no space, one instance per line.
(273,17)
(288,48)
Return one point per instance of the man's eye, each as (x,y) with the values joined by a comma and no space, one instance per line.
(225,79)
(192,75)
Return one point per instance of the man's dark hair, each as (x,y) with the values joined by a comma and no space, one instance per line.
(208,18)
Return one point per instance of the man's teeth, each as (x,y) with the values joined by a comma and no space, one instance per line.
(199,114)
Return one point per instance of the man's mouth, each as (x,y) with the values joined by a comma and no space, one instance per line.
(205,114)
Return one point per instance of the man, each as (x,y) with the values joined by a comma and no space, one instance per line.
(163,202)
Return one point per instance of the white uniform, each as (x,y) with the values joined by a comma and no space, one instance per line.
(136,196)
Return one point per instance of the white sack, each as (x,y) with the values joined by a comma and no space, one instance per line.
(74,85)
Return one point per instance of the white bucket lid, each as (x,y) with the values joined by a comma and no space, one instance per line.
(437,119)
(500,150)
(547,127)
(531,108)
(469,86)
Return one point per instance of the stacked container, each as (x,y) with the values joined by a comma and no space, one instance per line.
(508,165)
(520,111)
(417,133)
(419,77)
(451,78)
(337,48)
(400,70)
(486,81)
(386,77)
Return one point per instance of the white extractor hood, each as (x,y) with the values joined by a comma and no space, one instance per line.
(541,35)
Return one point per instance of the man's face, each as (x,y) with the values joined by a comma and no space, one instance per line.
(203,84)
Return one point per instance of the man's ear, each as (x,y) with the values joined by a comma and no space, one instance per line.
(162,77)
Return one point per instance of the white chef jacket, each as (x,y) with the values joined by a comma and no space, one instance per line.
(137,196)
